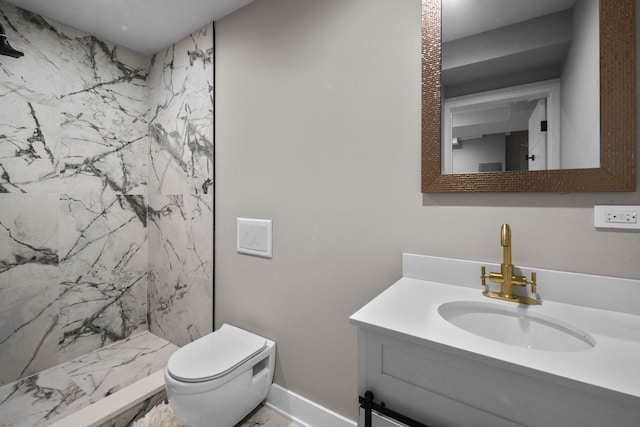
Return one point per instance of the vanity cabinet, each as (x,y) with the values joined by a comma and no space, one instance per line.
(442,387)
(427,369)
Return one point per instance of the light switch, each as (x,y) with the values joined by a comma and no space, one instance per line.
(254,237)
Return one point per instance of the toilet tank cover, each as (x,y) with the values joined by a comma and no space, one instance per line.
(215,354)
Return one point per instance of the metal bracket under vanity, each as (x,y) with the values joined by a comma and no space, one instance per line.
(369,406)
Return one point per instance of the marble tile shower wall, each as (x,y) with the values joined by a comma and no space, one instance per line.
(106,204)
(181,189)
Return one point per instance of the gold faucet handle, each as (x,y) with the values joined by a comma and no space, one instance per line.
(534,285)
(483,275)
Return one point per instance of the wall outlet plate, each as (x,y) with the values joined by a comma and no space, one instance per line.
(254,237)
(611,216)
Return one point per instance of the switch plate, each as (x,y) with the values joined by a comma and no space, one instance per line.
(254,237)
(606,216)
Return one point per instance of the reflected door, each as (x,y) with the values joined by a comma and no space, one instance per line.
(537,157)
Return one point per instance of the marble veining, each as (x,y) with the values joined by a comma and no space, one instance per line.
(103,99)
(180,124)
(180,236)
(29,140)
(180,266)
(102,150)
(34,76)
(129,417)
(104,371)
(102,270)
(28,284)
(73,150)
(180,210)
(28,239)
(49,396)
(40,399)
(180,306)
(28,331)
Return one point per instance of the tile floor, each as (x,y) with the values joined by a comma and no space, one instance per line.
(50,395)
(265,417)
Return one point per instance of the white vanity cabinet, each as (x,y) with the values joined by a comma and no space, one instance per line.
(440,387)
(427,369)
(378,420)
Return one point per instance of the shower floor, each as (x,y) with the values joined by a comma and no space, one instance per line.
(55,393)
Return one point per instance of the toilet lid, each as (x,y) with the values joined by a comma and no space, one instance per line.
(214,355)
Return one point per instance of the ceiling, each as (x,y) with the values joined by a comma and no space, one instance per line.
(490,44)
(145,26)
(462,18)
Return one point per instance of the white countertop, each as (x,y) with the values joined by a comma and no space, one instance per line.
(409,308)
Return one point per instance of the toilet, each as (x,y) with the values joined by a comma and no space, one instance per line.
(220,378)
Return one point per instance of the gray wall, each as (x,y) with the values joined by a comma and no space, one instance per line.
(318,129)
(486,149)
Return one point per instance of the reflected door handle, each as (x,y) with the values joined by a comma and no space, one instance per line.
(531,157)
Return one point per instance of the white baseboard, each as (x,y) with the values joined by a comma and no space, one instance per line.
(303,411)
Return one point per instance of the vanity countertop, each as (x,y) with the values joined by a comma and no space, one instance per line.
(409,309)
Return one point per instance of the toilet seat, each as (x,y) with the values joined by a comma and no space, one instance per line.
(214,355)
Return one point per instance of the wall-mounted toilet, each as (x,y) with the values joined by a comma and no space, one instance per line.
(220,378)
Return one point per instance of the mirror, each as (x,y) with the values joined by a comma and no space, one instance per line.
(611,168)
(518,80)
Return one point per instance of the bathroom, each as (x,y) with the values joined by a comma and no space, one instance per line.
(318,128)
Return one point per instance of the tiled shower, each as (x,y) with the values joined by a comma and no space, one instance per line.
(106,193)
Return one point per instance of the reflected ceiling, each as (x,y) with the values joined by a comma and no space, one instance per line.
(491,44)
(473,17)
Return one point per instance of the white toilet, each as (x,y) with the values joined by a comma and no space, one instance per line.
(220,378)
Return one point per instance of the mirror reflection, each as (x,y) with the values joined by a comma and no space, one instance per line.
(520,86)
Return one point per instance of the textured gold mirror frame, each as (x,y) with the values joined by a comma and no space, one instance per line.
(617,170)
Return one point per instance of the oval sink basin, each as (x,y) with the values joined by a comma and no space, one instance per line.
(516,326)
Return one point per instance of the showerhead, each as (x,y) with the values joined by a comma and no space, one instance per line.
(5,47)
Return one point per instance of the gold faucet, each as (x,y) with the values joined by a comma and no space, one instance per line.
(508,281)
